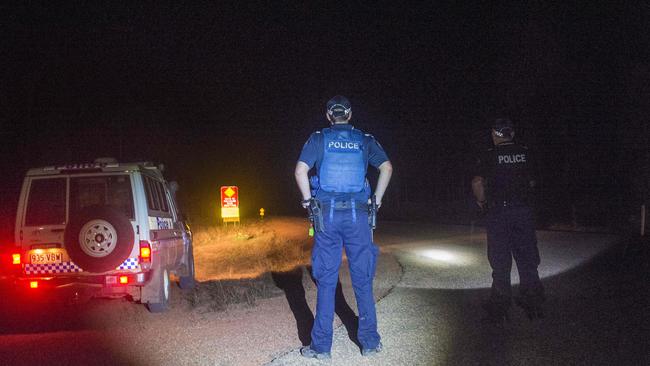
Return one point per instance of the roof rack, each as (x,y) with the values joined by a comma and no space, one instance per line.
(98,165)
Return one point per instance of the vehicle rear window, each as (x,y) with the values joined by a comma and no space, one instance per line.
(46,202)
(109,190)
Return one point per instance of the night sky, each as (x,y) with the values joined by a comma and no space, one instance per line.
(227,94)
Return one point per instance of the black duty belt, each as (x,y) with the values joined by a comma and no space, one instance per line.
(345,205)
(511,204)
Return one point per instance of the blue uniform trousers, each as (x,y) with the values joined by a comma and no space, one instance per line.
(511,233)
(349,229)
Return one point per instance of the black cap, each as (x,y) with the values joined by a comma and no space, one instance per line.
(339,106)
(503,126)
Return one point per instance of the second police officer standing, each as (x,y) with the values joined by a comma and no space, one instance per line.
(503,185)
(340,155)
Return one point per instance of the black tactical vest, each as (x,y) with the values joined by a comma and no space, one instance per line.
(508,170)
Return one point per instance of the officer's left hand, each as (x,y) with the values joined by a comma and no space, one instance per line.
(378,202)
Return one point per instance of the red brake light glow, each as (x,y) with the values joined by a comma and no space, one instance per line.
(15,258)
(145,251)
(124,280)
(33,284)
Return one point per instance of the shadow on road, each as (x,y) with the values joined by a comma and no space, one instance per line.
(43,332)
(24,313)
(291,283)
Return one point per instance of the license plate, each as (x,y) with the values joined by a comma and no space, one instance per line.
(46,257)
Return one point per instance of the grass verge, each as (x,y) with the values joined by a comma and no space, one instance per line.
(234,263)
(250,250)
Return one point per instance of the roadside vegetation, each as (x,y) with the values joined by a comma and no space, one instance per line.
(251,249)
(235,264)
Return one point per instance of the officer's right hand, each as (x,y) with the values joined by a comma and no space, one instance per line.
(305,203)
(482,207)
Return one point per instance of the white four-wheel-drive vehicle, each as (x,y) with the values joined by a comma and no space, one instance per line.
(106,228)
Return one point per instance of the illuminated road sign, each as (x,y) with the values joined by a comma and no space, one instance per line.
(230,203)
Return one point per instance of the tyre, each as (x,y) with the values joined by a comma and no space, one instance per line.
(187,282)
(99,238)
(163,298)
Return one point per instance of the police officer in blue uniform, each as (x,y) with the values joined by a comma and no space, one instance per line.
(340,155)
(503,185)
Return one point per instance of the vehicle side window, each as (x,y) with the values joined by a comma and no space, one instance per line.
(46,202)
(152,197)
(156,198)
(164,207)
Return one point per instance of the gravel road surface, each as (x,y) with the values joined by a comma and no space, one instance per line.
(596,311)
(429,286)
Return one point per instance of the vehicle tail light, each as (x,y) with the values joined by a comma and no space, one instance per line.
(33,284)
(15,258)
(124,280)
(145,251)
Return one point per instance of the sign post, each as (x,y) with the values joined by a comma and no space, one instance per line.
(230,204)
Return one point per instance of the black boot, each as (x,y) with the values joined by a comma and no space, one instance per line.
(531,302)
(496,312)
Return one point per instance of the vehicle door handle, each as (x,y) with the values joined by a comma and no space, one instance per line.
(57,230)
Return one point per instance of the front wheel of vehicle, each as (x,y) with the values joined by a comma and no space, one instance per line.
(163,298)
(188,282)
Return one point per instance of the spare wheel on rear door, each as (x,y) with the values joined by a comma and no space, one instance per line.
(99,238)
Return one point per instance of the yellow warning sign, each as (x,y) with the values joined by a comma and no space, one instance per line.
(229,192)
(230,203)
